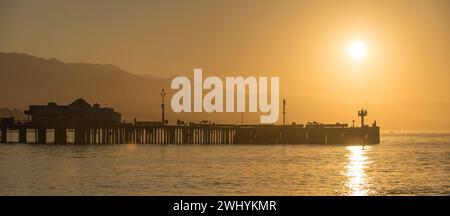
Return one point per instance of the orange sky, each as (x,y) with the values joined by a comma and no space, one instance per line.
(406,71)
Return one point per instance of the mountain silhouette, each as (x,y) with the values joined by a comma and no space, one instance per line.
(29,80)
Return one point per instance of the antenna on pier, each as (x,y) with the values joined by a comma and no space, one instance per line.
(362,113)
(284,111)
(163,94)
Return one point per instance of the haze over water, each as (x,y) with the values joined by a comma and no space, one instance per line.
(414,164)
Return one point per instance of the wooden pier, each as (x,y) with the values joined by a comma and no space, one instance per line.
(189,134)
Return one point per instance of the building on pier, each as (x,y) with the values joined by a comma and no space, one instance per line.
(78,112)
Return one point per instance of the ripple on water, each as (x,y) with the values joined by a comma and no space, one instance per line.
(412,164)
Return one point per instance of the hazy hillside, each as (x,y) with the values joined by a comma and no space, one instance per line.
(30,80)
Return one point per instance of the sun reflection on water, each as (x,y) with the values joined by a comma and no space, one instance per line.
(131,146)
(357,183)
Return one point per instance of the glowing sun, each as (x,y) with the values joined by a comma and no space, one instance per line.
(357,50)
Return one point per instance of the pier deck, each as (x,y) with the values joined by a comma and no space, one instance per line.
(189,134)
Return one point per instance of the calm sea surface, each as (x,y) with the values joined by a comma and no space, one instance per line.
(401,165)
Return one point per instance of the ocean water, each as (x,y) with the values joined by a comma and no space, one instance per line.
(408,164)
